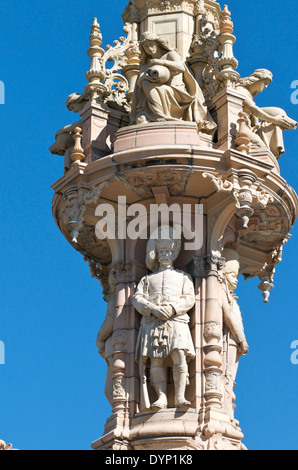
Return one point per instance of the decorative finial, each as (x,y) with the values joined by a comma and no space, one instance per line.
(226,24)
(242,141)
(266,287)
(95,75)
(77,154)
(227,62)
(244,197)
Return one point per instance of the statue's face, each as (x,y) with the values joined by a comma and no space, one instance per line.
(232,279)
(165,256)
(259,86)
(263,84)
(151,48)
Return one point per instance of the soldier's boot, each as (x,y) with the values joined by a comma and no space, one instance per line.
(158,378)
(180,374)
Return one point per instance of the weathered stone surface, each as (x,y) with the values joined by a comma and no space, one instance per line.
(172,157)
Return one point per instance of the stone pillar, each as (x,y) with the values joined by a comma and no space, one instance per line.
(212,327)
(99,129)
(225,109)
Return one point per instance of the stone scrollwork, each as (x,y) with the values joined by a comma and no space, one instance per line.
(246,191)
(263,198)
(75,208)
(73,216)
(101,273)
(110,85)
(248,196)
(266,275)
(142,182)
(220,183)
(213,441)
(204,54)
(93,195)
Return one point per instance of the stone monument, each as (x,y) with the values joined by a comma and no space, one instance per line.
(171,190)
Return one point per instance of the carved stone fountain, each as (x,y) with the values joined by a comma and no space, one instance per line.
(173,125)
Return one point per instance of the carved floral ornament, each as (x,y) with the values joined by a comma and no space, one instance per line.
(266,274)
(122,271)
(246,191)
(142,182)
(74,209)
(111,85)
(212,440)
(249,195)
(115,85)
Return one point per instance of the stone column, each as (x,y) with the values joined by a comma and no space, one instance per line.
(200,291)
(212,328)
(100,126)
(225,109)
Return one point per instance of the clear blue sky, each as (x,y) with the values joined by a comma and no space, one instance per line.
(51,387)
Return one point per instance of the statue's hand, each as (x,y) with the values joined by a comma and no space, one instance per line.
(243,348)
(101,347)
(156,62)
(284,122)
(161,313)
(169,309)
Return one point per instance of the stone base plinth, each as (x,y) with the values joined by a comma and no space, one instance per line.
(163,430)
(163,134)
(169,430)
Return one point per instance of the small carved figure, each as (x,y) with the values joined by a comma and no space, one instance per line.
(64,142)
(206,28)
(104,340)
(163,298)
(166,90)
(236,341)
(268,132)
(4,446)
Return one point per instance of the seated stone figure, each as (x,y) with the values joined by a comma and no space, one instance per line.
(163,299)
(165,89)
(266,125)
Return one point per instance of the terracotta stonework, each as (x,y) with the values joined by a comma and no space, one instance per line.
(172,124)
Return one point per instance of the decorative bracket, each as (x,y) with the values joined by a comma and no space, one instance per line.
(74,211)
